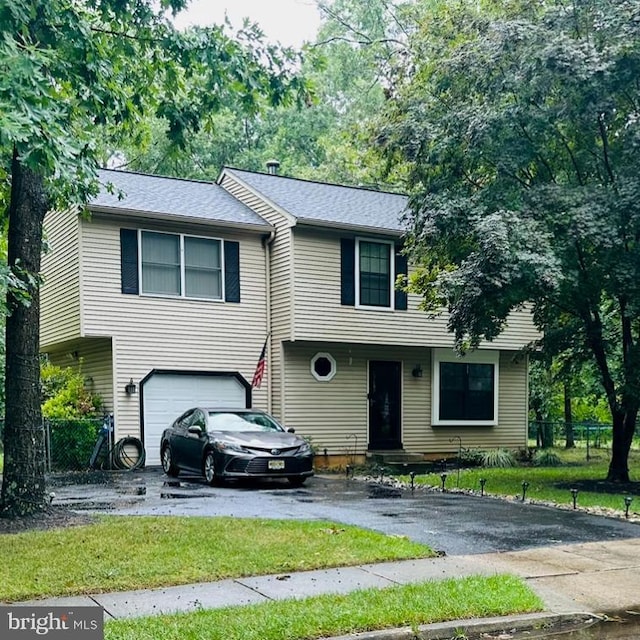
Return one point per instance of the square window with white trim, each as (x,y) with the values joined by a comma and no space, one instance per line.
(465,390)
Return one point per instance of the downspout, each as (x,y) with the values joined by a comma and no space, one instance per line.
(267,242)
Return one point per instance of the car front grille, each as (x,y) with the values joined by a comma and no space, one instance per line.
(260,466)
(256,451)
(238,465)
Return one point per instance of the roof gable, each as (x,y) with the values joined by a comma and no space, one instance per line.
(173,198)
(328,204)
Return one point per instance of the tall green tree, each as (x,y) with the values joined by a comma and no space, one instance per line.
(519,125)
(350,63)
(68,72)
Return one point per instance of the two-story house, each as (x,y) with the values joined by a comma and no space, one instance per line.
(165,295)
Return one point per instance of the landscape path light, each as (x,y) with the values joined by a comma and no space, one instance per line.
(574,496)
(483,481)
(627,503)
(525,486)
(443,478)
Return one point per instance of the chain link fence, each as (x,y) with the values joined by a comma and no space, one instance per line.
(86,443)
(68,443)
(588,434)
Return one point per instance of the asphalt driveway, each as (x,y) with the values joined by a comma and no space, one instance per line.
(454,523)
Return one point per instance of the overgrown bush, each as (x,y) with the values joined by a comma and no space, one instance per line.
(546,458)
(65,396)
(498,458)
(73,415)
(471,457)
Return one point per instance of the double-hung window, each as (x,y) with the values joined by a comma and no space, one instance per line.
(202,268)
(465,390)
(161,264)
(368,272)
(375,273)
(179,265)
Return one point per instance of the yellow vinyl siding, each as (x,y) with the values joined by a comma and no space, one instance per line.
(320,316)
(335,413)
(164,333)
(281,283)
(60,291)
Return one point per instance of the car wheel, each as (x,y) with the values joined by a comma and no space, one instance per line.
(167,462)
(209,469)
(296,481)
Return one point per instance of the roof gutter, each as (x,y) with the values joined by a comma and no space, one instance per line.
(345,226)
(156,216)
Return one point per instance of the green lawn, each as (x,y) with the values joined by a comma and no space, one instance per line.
(333,615)
(119,553)
(122,553)
(549,484)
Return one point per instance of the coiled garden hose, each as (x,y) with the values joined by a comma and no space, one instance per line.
(121,457)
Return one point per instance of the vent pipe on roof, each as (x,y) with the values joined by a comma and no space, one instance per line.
(272,167)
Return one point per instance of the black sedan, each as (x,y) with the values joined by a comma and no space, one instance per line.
(234,443)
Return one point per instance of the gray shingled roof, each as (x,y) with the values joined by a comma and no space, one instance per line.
(173,197)
(330,204)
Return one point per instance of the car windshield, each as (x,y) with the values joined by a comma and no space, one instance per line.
(242,421)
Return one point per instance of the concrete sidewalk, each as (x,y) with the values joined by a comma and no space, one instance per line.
(590,577)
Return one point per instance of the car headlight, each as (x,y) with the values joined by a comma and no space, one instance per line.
(305,448)
(224,446)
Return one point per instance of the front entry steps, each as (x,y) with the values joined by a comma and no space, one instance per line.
(399,461)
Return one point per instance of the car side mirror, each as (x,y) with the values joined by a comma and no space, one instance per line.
(195,430)
(291,430)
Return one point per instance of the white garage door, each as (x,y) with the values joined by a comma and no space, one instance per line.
(167,395)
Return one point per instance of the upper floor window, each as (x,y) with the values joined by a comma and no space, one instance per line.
(465,390)
(375,275)
(172,264)
(179,265)
(368,271)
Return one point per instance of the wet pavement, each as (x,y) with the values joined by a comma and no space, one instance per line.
(455,523)
(576,562)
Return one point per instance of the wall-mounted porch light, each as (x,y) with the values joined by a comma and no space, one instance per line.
(130,388)
(417,371)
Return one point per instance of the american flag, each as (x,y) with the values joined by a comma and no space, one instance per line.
(260,367)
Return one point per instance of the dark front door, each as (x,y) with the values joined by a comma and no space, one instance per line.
(384,405)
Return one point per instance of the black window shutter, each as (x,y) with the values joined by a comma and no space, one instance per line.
(348,272)
(231,271)
(401,269)
(129,261)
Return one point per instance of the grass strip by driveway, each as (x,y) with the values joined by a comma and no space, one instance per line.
(122,553)
(548,484)
(332,615)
